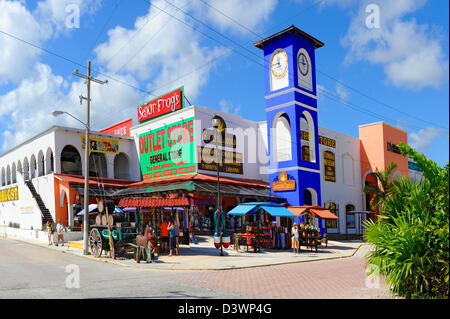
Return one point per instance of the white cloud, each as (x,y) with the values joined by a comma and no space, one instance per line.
(342,92)
(412,55)
(16,57)
(422,140)
(30,105)
(162,49)
(227,106)
(61,16)
(249,13)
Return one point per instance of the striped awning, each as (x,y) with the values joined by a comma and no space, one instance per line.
(154,202)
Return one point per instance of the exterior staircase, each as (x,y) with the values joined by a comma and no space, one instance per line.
(46,216)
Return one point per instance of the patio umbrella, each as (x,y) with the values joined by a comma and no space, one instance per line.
(93,208)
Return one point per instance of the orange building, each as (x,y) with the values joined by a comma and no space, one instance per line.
(378,149)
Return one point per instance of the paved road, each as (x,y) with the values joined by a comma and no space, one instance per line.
(31,271)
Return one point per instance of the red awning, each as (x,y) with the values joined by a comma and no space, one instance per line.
(316,211)
(203,178)
(154,202)
(94,181)
(323,213)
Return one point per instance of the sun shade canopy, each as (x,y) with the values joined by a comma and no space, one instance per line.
(316,211)
(273,209)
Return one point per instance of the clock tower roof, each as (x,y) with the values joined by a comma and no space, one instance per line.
(291,30)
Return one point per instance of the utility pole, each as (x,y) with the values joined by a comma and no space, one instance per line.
(87,145)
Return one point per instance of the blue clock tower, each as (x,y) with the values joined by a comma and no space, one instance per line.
(291,111)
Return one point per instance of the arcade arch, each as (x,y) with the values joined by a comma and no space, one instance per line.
(70,161)
(282,140)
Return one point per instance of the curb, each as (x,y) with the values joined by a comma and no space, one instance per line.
(112,261)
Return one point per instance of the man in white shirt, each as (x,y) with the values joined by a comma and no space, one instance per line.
(59,231)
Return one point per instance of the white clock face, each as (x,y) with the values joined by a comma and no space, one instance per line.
(303,65)
(278,64)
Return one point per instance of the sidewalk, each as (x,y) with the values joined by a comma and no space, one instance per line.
(205,256)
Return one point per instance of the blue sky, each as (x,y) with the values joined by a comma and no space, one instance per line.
(398,70)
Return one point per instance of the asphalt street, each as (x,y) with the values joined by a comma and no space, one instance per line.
(34,271)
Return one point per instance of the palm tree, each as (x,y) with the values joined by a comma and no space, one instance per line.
(381,193)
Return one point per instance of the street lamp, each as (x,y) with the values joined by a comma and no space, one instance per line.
(216,121)
(86,183)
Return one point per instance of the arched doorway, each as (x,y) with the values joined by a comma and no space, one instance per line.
(70,161)
(49,161)
(26,169)
(41,164)
(121,166)
(97,165)
(33,167)
(13,173)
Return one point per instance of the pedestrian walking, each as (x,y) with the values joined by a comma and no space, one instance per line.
(49,233)
(177,234)
(171,229)
(164,236)
(295,238)
(59,233)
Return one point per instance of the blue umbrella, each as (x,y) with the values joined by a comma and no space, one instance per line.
(117,210)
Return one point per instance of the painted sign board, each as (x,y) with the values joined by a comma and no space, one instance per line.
(330,166)
(283,183)
(164,104)
(322,139)
(98,145)
(9,194)
(230,162)
(168,150)
(122,128)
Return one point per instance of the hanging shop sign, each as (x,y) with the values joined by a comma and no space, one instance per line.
(330,166)
(391,147)
(98,145)
(168,150)
(414,166)
(283,183)
(9,194)
(230,161)
(122,128)
(322,139)
(164,104)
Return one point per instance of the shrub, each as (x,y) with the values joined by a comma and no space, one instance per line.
(411,235)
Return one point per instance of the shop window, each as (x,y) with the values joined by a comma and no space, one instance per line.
(351,220)
(334,208)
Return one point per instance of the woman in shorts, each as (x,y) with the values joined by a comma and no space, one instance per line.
(295,238)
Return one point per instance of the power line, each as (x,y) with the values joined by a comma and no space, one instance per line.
(327,94)
(103,28)
(323,73)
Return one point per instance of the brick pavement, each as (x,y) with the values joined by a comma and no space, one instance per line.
(325,279)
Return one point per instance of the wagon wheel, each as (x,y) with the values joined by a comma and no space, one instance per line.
(95,242)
